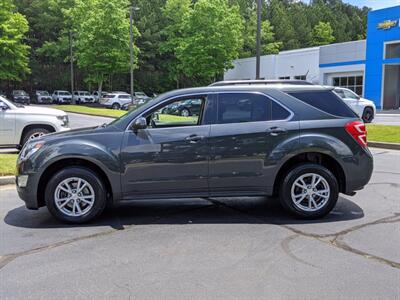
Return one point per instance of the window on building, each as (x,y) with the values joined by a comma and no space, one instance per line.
(392,50)
(354,83)
(300,77)
(284,77)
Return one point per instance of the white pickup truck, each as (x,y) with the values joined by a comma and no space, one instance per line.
(19,123)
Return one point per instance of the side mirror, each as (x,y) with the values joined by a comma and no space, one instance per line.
(139,123)
(3,106)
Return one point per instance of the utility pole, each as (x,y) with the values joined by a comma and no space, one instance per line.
(258,42)
(71,55)
(131,47)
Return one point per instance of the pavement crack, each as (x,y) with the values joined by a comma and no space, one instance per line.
(333,239)
(285,244)
(6,259)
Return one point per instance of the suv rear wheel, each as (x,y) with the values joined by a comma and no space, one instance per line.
(75,195)
(116,106)
(309,191)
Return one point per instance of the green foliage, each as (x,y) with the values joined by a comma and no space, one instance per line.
(101,38)
(322,34)
(268,43)
(212,39)
(13,50)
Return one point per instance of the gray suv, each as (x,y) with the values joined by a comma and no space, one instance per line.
(300,142)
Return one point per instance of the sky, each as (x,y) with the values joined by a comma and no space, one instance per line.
(374,4)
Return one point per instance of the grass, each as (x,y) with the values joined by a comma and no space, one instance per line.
(383,133)
(7,164)
(105,112)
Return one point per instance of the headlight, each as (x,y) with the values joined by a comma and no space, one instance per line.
(64,119)
(29,149)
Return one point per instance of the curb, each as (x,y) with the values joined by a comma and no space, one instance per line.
(4,180)
(393,146)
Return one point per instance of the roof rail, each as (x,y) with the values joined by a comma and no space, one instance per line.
(260,81)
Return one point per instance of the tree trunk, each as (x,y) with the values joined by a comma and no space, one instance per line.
(100,88)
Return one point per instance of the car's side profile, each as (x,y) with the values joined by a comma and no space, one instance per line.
(364,108)
(19,124)
(245,141)
(116,100)
(43,97)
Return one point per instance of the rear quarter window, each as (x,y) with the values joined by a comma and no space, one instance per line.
(326,101)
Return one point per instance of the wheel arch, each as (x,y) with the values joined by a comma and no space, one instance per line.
(71,161)
(28,127)
(320,158)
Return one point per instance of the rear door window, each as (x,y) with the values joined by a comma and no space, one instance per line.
(242,107)
(326,101)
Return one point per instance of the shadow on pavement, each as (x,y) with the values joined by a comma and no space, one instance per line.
(244,210)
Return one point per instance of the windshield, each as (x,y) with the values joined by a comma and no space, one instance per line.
(19,93)
(64,93)
(85,94)
(109,96)
(43,93)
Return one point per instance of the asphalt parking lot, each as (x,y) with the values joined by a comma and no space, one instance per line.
(243,248)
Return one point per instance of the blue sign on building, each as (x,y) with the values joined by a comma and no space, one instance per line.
(382,64)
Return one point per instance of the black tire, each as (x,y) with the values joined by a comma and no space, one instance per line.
(286,189)
(368,115)
(184,112)
(34,131)
(88,175)
(116,106)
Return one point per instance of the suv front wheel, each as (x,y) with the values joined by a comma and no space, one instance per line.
(75,195)
(309,191)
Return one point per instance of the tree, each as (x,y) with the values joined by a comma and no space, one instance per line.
(13,50)
(322,34)
(101,34)
(284,29)
(176,14)
(268,43)
(212,40)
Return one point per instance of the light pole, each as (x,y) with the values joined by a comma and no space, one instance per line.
(258,42)
(131,10)
(71,54)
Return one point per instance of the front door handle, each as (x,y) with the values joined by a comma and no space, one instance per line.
(194,138)
(275,131)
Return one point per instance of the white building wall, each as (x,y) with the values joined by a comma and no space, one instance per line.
(286,63)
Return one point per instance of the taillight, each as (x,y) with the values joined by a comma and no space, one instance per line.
(358,131)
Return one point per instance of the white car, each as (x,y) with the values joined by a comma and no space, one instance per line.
(61,96)
(83,97)
(364,108)
(20,123)
(95,95)
(115,100)
(43,97)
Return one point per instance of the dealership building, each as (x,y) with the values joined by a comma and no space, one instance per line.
(370,67)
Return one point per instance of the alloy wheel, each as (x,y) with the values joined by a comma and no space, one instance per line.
(74,197)
(310,192)
(36,135)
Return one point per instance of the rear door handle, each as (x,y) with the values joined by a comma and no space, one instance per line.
(275,131)
(194,138)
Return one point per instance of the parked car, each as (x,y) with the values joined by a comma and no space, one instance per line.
(248,140)
(19,123)
(185,108)
(20,96)
(95,95)
(115,100)
(364,108)
(43,97)
(83,97)
(61,97)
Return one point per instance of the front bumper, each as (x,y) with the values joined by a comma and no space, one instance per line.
(27,189)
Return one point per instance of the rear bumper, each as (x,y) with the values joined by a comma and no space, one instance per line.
(359,171)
